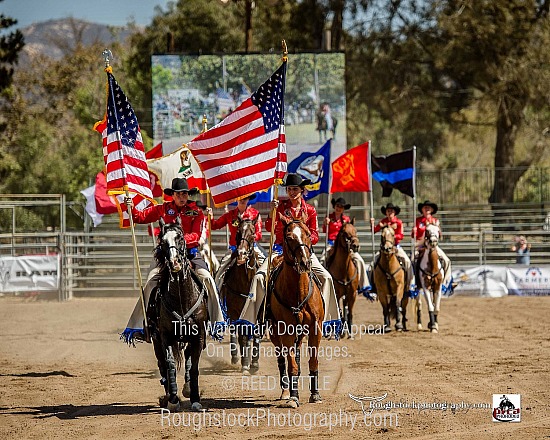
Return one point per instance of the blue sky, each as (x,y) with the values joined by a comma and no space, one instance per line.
(110,12)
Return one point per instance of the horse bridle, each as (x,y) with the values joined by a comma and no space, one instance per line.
(383,245)
(250,242)
(347,240)
(295,263)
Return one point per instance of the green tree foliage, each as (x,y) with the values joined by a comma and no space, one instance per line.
(424,64)
(10,45)
(49,146)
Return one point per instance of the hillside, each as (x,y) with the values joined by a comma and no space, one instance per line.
(53,37)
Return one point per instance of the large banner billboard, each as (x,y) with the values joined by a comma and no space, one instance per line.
(186,87)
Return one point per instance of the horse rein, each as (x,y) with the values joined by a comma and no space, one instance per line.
(295,263)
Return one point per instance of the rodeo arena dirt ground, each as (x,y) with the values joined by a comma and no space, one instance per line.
(65,374)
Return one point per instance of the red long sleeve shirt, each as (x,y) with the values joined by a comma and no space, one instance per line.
(285,208)
(192,218)
(230,219)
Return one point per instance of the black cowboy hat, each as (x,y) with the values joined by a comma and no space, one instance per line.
(250,197)
(390,205)
(294,179)
(427,203)
(180,185)
(340,201)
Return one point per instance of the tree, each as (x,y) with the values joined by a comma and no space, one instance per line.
(10,46)
(426,62)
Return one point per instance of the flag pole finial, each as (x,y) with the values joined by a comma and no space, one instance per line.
(107,57)
(204,123)
(285,51)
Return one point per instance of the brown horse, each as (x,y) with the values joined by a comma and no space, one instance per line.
(297,310)
(344,271)
(431,274)
(235,291)
(389,278)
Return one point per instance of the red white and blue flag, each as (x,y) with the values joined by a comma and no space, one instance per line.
(246,151)
(123,152)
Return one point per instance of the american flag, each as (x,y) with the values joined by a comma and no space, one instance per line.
(123,152)
(246,151)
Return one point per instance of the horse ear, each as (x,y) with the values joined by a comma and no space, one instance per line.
(178,220)
(161,222)
(240,217)
(353,221)
(284,219)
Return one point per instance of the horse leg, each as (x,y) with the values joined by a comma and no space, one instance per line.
(398,312)
(244,344)
(161,362)
(233,344)
(437,301)
(404,305)
(294,379)
(255,362)
(418,312)
(173,399)
(385,311)
(196,350)
(281,364)
(314,341)
(187,368)
(428,296)
(350,299)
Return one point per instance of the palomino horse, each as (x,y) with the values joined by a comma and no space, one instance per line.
(234,293)
(431,274)
(344,271)
(389,278)
(297,310)
(178,314)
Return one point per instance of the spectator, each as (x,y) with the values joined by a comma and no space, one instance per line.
(522,250)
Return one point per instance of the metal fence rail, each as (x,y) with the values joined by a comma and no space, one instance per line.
(103,263)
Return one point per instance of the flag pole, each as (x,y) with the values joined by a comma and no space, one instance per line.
(273,210)
(413,244)
(371,200)
(107,55)
(209,219)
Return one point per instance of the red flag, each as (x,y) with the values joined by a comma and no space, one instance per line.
(123,151)
(104,203)
(350,172)
(155,152)
(246,151)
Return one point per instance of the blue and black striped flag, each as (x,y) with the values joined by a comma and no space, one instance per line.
(395,171)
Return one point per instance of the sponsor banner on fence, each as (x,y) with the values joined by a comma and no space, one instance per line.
(497,281)
(29,273)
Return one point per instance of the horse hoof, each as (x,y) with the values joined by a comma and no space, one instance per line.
(254,368)
(245,371)
(285,394)
(315,398)
(291,403)
(434,330)
(163,401)
(196,406)
(186,390)
(436,326)
(234,360)
(351,337)
(173,407)
(387,329)
(419,326)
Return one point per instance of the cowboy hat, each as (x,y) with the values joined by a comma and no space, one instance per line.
(427,203)
(340,201)
(390,205)
(250,197)
(294,179)
(180,185)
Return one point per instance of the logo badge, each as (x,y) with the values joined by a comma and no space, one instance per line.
(171,212)
(506,407)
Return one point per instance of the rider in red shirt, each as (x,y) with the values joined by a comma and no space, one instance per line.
(391,212)
(428,209)
(334,222)
(294,207)
(192,221)
(231,219)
